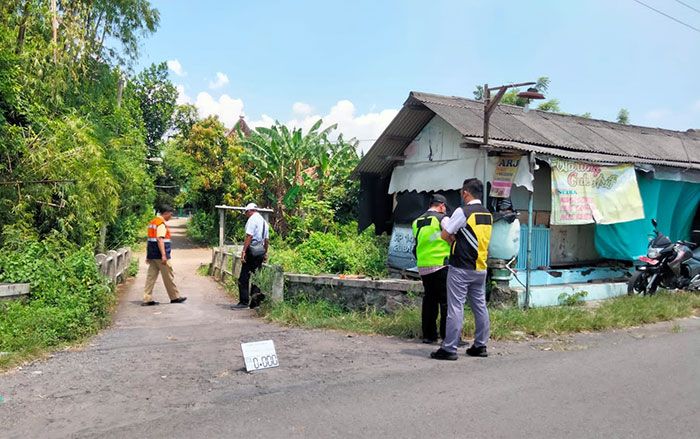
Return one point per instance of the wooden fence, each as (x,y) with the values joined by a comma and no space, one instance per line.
(226,263)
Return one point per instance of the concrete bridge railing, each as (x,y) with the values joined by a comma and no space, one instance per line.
(114,265)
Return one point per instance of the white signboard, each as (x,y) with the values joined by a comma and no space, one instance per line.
(259,355)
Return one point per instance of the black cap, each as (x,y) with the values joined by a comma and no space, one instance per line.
(437,198)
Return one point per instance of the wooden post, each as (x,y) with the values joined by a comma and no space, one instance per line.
(222,228)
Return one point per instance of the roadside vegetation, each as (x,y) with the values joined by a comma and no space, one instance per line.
(506,323)
(304,176)
(77,131)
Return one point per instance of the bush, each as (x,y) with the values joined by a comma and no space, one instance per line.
(343,252)
(69,298)
(203,228)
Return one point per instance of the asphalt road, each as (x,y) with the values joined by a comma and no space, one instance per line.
(175,371)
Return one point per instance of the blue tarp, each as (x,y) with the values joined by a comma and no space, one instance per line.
(672,203)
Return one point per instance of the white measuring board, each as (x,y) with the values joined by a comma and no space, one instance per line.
(259,355)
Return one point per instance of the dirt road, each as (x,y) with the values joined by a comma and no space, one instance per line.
(176,371)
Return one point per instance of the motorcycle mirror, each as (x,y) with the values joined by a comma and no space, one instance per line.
(654,223)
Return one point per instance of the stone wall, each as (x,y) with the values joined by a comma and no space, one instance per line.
(355,294)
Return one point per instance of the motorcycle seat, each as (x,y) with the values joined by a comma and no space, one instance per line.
(696,253)
(690,245)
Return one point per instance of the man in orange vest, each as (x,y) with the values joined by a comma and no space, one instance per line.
(158,258)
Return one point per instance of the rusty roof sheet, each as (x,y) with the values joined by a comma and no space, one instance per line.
(559,135)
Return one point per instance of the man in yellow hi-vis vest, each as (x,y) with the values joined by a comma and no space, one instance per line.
(469,230)
(432,255)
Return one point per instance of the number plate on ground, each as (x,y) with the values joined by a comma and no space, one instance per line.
(259,355)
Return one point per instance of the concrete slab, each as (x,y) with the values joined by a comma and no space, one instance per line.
(571,276)
(549,295)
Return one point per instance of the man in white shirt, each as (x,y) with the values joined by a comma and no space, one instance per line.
(255,246)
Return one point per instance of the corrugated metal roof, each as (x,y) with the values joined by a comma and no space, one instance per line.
(559,135)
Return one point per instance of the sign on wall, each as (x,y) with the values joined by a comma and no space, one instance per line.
(503,176)
(584,193)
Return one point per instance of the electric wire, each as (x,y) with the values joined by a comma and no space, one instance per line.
(668,16)
(689,6)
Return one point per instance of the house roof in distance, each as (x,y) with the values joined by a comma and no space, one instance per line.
(559,135)
(245,129)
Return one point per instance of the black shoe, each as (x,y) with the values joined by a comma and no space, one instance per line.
(462,344)
(239,306)
(475,351)
(151,303)
(442,354)
(178,300)
(429,340)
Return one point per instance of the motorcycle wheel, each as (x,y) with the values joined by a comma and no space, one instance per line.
(637,285)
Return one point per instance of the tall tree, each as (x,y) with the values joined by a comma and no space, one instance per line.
(157,96)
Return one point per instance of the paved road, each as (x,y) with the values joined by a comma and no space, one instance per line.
(175,371)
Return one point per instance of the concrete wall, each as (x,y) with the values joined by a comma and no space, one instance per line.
(386,295)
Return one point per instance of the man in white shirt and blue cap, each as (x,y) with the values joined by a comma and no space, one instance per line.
(255,246)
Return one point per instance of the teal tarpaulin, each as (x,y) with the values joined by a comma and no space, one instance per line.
(672,203)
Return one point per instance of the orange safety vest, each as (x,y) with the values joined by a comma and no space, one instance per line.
(152,250)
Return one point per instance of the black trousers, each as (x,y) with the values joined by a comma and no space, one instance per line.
(434,301)
(250,266)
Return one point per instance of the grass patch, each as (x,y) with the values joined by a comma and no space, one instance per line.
(506,324)
(203,270)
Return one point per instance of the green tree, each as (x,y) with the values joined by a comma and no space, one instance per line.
(550,105)
(278,160)
(623,116)
(157,97)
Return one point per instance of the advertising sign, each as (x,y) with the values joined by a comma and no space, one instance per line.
(584,193)
(503,176)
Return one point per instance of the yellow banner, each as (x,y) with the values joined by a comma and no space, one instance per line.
(584,193)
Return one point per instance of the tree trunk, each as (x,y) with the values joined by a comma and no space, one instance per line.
(22,27)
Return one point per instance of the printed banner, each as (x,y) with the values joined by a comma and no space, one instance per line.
(503,176)
(584,193)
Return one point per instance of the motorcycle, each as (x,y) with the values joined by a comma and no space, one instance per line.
(671,265)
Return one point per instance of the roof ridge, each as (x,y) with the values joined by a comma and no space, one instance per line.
(567,115)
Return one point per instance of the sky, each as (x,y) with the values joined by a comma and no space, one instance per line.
(354,62)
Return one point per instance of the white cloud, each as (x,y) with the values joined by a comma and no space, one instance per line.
(364,127)
(221,80)
(225,107)
(182,97)
(301,109)
(175,66)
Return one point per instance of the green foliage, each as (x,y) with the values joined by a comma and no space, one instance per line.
(343,252)
(263,279)
(550,105)
(506,323)
(69,298)
(623,116)
(156,96)
(203,228)
(73,144)
(287,167)
(133,269)
(575,299)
